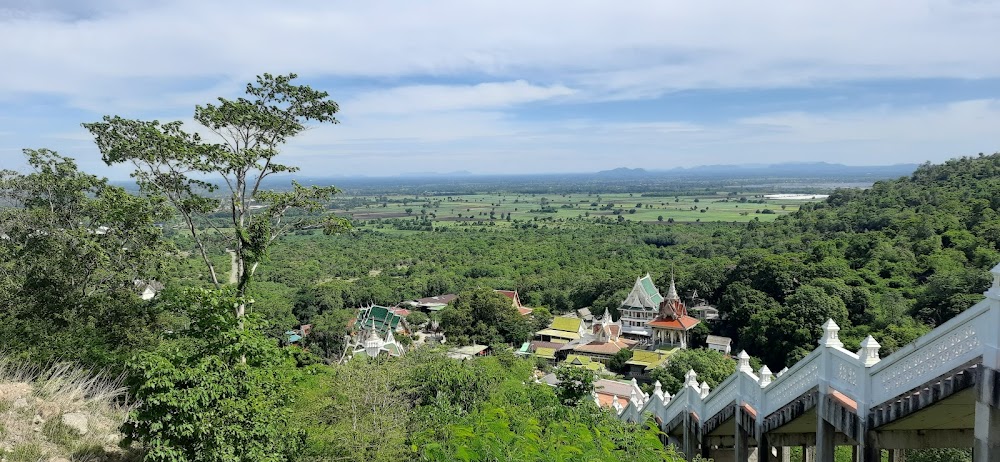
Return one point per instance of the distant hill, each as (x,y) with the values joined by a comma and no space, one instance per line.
(621,172)
(797,169)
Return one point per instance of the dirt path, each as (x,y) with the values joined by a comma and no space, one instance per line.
(232,267)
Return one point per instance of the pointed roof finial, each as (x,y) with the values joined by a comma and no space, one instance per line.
(672,291)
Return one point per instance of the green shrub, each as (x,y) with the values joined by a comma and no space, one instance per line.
(220,394)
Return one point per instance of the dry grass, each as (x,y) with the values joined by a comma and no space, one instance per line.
(60,413)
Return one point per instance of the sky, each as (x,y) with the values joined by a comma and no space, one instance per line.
(523,86)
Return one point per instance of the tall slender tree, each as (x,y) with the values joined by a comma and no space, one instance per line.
(247,135)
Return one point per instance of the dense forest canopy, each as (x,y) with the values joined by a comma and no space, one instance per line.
(891,261)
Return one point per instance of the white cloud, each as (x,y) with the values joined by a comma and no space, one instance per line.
(441,82)
(631,48)
(432,98)
(488,142)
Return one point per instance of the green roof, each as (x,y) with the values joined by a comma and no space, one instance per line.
(558,334)
(547,353)
(650,289)
(566,324)
(583,361)
(383,317)
(649,359)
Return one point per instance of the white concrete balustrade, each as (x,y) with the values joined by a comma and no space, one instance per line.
(843,388)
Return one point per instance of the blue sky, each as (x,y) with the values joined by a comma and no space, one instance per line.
(524,87)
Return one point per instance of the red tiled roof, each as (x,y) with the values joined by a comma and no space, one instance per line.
(606,400)
(511,294)
(615,329)
(524,310)
(508,293)
(402,312)
(681,323)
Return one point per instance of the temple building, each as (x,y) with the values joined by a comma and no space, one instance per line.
(562,329)
(567,338)
(515,300)
(640,307)
(655,320)
(371,343)
(603,341)
(374,333)
(672,323)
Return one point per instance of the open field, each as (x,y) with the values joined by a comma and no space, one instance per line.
(510,209)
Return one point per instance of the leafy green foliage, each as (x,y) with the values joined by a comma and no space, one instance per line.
(484,317)
(617,362)
(712,367)
(518,421)
(328,332)
(172,164)
(218,394)
(417,319)
(575,384)
(73,248)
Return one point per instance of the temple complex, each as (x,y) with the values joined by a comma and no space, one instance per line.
(373,333)
(655,320)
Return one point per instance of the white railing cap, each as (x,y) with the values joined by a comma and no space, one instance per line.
(831,336)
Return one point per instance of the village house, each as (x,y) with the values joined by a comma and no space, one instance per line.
(439,302)
(562,329)
(515,300)
(721,344)
(702,310)
(431,304)
(616,394)
(611,394)
(643,362)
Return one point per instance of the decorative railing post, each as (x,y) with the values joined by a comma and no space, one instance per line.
(824,430)
(831,335)
(991,355)
(743,362)
(765,376)
(868,354)
(691,378)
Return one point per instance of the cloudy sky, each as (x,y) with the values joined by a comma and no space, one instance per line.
(508,86)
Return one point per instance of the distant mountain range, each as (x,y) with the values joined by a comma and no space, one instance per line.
(795,169)
(765,173)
